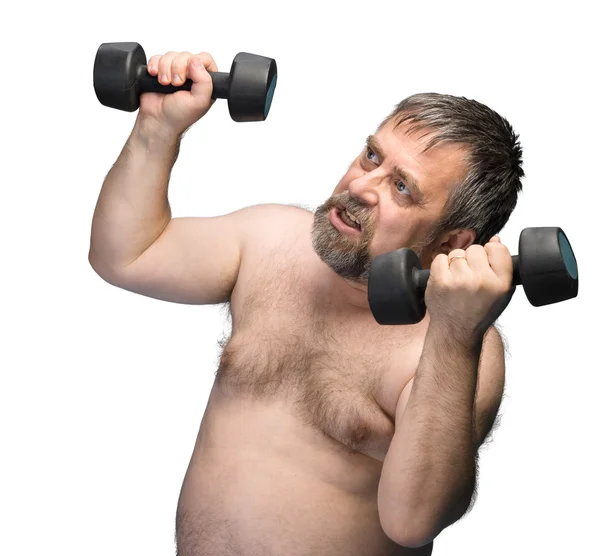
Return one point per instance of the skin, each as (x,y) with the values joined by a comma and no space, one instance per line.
(393,213)
(324,433)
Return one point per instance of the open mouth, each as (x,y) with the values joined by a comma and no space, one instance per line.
(345,218)
(349,219)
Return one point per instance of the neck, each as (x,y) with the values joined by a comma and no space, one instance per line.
(350,293)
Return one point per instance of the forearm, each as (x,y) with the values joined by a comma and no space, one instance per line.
(429,472)
(133,207)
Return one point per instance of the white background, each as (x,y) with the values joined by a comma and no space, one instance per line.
(103,390)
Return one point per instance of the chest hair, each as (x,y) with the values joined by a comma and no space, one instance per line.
(290,343)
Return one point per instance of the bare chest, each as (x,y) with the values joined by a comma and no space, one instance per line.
(340,375)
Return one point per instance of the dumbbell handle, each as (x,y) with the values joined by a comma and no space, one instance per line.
(422,276)
(150,84)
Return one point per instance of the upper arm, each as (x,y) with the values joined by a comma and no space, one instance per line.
(490,384)
(195,260)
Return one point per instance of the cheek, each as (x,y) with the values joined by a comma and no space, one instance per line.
(389,229)
(395,229)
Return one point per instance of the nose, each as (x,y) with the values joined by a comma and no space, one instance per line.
(366,187)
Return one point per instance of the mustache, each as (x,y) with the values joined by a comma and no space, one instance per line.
(353,205)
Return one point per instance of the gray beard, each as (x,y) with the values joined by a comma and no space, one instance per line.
(347,256)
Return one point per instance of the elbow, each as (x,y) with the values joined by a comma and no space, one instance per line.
(411,536)
(107,273)
(96,265)
(416,529)
(409,533)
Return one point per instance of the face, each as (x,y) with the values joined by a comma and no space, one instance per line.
(390,197)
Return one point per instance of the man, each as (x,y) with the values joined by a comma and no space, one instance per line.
(326,433)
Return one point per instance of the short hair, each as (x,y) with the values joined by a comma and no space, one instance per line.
(484,201)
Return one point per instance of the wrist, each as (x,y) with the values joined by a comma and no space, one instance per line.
(153,137)
(448,334)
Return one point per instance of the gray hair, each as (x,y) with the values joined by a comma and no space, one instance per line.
(486,198)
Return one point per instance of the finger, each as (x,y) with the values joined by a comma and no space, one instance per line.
(153,64)
(164,68)
(207,61)
(478,259)
(439,271)
(198,68)
(458,266)
(500,260)
(179,68)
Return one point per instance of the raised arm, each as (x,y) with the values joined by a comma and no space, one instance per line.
(135,244)
(429,473)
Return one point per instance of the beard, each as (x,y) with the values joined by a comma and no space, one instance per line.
(347,255)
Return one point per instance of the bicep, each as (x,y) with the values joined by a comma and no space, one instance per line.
(193,261)
(196,260)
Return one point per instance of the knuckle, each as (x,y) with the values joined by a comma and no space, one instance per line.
(179,65)
(496,248)
(181,60)
(437,262)
(199,58)
(167,61)
(473,249)
(164,64)
(207,60)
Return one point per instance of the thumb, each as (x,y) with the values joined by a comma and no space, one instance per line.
(202,86)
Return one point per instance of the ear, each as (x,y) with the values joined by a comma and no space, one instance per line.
(456,239)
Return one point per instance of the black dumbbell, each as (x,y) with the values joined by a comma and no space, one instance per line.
(121,76)
(546,267)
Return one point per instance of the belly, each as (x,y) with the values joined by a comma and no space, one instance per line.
(262,482)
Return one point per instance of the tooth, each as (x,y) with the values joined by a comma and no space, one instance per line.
(352,217)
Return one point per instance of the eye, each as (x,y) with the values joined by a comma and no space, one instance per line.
(367,155)
(402,188)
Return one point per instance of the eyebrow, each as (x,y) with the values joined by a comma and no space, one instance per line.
(409,180)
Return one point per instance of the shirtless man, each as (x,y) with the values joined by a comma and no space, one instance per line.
(326,433)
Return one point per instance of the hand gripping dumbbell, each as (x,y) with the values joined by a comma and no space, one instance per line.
(121,76)
(546,268)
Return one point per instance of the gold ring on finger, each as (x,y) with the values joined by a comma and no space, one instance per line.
(455,257)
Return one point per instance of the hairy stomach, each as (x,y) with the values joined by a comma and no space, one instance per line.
(261,482)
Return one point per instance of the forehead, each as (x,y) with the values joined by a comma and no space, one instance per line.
(435,170)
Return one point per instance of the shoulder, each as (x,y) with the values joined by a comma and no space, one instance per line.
(270,225)
(271,213)
(274,234)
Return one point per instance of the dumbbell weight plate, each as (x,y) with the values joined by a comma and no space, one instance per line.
(115,79)
(547,266)
(251,87)
(392,287)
